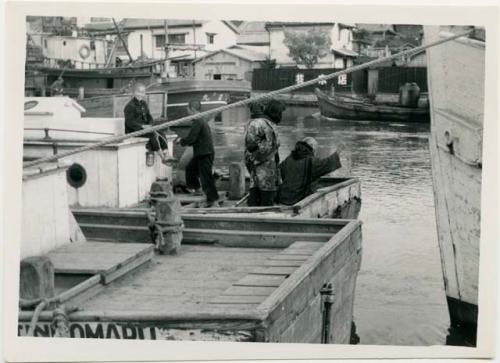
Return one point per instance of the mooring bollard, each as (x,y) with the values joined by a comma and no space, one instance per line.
(236,180)
(165,222)
(328,296)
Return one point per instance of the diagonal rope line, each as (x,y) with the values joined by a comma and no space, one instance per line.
(184,120)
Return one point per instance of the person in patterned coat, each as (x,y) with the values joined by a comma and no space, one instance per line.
(261,153)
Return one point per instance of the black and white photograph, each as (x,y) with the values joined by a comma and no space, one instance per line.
(267,180)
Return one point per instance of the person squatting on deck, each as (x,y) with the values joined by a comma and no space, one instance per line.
(138,117)
(200,168)
(301,169)
(261,153)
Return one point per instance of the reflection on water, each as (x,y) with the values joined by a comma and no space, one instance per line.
(400,297)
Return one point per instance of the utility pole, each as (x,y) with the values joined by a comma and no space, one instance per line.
(166,64)
(194,41)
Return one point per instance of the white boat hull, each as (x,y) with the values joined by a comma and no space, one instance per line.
(456,86)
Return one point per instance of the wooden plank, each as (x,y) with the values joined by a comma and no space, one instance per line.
(127,267)
(261,280)
(249,290)
(273,270)
(283,263)
(243,299)
(283,257)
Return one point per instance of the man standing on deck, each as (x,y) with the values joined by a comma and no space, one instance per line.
(261,153)
(301,169)
(200,168)
(138,117)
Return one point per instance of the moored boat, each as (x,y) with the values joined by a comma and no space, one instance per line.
(456,75)
(175,94)
(233,279)
(334,198)
(353,109)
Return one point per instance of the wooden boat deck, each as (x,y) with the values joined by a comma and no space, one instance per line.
(202,278)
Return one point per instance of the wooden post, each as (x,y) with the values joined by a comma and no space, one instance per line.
(166,64)
(236,181)
(36,278)
(81,93)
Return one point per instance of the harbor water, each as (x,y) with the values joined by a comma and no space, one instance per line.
(400,298)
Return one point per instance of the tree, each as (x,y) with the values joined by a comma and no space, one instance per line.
(269,63)
(307,47)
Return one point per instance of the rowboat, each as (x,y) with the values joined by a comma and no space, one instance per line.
(353,109)
(456,75)
(250,279)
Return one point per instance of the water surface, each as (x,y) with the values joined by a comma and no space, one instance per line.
(400,298)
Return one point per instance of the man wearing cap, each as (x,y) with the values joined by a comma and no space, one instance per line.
(301,169)
(261,153)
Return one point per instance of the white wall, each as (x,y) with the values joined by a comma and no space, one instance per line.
(46,214)
(56,49)
(224,38)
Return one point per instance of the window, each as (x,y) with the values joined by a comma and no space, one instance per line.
(92,44)
(172,39)
(217,76)
(210,38)
(177,38)
(64,42)
(340,32)
(45,43)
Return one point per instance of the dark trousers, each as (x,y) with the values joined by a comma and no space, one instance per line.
(155,142)
(200,169)
(260,198)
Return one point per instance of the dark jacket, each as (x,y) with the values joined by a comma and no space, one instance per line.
(200,138)
(300,170)
(136,114)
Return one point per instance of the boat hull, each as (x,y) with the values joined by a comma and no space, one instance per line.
(456,86)
(177,95)
(336,107)
(259,282)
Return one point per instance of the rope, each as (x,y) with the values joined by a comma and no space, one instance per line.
(35,317)
(184,120)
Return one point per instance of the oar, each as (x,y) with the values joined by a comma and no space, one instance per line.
(239,202)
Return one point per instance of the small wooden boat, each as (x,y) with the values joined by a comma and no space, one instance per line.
(334,198)
(352,109)
(251,279)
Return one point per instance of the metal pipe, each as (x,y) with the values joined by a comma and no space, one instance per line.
(217,110)
(327,296)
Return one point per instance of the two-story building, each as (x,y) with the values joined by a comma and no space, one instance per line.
(341,54)
(187,40)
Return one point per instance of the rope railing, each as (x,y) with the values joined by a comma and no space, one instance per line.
(184,120)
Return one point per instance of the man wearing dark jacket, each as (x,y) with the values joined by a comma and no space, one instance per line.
(201,165)
(301,169)
(138,117)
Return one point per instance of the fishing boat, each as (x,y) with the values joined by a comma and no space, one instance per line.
(175,93)
(234,278)
(338,107)
(338,198)
(456,75)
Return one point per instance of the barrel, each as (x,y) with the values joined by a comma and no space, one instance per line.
(409,93)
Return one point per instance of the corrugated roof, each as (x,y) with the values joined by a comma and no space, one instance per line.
(275,24)
(131,23)
(246,54)
(99,26)
(375,28)
(253,32)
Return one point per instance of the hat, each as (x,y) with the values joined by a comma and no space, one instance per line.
(311,142)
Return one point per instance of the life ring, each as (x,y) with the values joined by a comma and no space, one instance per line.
(84,51)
